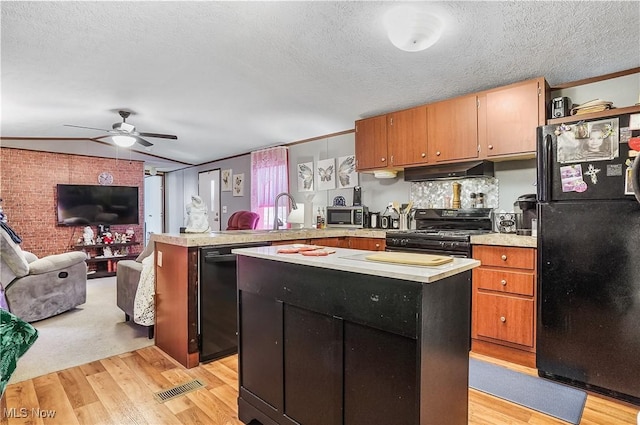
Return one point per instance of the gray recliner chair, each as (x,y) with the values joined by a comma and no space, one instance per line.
(127,279)
(38,288)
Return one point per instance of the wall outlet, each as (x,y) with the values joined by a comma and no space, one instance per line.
(224,209)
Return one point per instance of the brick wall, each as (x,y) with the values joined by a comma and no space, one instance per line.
(28,182)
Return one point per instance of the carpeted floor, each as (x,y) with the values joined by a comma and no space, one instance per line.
(92,331)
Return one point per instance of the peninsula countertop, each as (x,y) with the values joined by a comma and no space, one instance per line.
(224,237)
(353,260)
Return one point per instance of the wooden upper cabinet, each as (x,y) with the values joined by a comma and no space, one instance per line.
(453,129)
(371,143)
(407,136)
(512,115)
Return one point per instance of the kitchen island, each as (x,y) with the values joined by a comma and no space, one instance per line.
(341,339)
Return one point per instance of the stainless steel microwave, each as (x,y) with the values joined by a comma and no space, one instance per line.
(355,216)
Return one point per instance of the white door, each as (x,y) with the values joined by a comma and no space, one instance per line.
(153,213)
(209,191)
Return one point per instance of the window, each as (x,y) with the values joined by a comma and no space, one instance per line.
(269,177)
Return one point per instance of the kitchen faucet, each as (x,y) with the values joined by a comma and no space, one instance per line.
(294,206)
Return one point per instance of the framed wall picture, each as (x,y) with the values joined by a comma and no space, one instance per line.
(326,174)
(305,177)
(227,181)
(238,184)
(347,175)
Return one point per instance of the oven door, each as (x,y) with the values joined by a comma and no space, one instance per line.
(457,254)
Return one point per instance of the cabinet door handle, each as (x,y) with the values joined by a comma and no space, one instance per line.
(377,245)
(490,147)
(438,153)
(423,154)
(503,282)
(504,257)
(503,319)
(382,159)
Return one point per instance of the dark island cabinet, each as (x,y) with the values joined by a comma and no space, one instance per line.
(327,347)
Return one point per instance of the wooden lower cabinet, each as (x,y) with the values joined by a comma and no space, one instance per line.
(504,303)
(335,242)
(369,244)
(292,241)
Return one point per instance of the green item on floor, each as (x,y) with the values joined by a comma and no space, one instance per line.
(16,336)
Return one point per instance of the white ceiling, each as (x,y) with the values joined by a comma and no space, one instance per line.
(231,77)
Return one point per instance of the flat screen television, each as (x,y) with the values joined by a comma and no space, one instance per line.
(83,204)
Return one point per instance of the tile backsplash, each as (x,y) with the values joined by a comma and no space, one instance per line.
(434,194)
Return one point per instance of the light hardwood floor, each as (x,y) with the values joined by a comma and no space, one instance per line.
(119,390)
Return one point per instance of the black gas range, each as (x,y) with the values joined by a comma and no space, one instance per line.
(442,231)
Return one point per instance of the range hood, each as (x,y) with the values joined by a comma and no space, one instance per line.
(449,171)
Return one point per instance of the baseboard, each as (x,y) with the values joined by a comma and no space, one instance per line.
(512,355)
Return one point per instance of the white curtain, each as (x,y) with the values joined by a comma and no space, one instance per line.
(269,176)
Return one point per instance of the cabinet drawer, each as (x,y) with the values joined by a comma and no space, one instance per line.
(512,282)
(505,318)
(505,256)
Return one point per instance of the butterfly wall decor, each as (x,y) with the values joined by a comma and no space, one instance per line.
(326,174)
(305,177)
(347,175)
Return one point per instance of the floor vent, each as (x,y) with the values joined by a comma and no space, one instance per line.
(174,392)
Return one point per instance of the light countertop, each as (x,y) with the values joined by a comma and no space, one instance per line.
(505,239)
(225,237)
(352,260)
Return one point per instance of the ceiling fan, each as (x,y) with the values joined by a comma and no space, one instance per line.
(125,134)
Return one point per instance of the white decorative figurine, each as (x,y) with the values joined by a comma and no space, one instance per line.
(87,236)
(197,216)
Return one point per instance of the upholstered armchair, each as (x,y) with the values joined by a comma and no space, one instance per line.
(38,288)
(243,220)
(128,276)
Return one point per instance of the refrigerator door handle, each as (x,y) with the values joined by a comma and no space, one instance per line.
(635,177)
(545,144)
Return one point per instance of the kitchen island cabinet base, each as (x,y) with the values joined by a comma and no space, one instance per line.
(322,346)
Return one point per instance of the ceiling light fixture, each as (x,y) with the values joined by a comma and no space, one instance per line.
(411,29)
(124,141)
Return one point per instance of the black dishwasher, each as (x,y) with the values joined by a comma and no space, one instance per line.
(218,305)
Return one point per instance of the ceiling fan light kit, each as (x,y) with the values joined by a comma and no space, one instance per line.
(412,30)
(124,141)
(125,134)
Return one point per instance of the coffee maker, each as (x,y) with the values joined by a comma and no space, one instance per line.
(525,209)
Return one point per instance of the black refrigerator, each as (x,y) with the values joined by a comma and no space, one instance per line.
(588,329)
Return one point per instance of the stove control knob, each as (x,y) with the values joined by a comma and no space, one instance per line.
(404,242)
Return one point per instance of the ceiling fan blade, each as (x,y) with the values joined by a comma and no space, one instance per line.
(90,128)
(161,136)
(143,142)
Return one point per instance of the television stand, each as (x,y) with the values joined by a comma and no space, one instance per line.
(101,266)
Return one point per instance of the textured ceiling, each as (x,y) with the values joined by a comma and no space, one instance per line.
(230,77)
